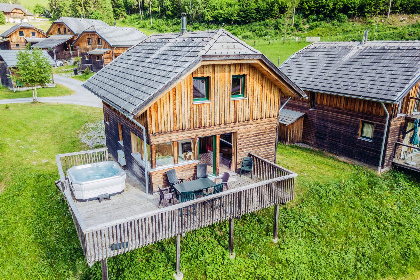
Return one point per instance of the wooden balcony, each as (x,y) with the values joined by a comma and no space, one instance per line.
(407,156)
(133,219)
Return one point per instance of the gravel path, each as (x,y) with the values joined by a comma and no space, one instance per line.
(82,96)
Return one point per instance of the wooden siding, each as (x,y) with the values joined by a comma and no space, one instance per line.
(292,133)
(54,29)
(160,180)
(409,101)
(175,110)
(396,134)
(14,37)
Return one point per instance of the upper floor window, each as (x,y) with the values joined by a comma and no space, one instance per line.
(21,33)
(97,58)
(33,34)
(238,86)
(89,41)
(312,100)
(65,30)
(120,134)
(164,154)
(366,130)
(99,42)
(137,147)
(59,30)
(201,88)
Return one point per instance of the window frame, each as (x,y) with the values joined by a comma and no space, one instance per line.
(99,41)
(312,100)
(89,41)
(65,30)
(33,34)
(21,32)
(207,79)
(17,45)
(242,77)
(366,138)
(59,30)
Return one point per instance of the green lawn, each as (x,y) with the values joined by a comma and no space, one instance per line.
(82,77)
(345,223)
(58,90)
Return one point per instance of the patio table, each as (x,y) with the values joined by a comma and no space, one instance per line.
(194,185)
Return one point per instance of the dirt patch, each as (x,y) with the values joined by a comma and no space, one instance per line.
(93,134)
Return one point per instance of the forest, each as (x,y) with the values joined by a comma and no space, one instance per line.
(230,11)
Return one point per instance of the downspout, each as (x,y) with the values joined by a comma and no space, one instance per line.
(277,130)
(384,138)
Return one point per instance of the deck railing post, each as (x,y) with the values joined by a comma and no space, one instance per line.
(104,268)
(231,253)
(276,223)
(178,275)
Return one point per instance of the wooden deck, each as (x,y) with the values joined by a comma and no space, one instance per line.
(133,219)
(407,156)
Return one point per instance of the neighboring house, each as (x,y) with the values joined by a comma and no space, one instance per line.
(62,33)
(99,45)
(16,13)
(194,97)
(8,61)
(19,35)
(352,87)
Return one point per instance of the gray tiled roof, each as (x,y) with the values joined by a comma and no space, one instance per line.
(142,73)
(377,70)
(34,39)
(5,7)
(16,27)
(287,116)
(118,36)
(52,41)
(10,57)
(78,25)
(98,51)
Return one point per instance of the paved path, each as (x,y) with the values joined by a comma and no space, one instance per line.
(82,96)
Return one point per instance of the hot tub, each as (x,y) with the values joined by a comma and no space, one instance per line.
(92,180)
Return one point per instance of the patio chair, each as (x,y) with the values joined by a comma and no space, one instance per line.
(246,165)
(184,197)
(225,179)
(201,171)
(172,178)
(216,189)
(166,196)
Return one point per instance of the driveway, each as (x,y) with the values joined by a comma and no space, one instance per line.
(82,96)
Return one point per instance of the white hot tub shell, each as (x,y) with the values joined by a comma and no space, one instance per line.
(89,181)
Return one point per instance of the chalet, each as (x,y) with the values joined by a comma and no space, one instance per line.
(62,33)
(15,13)
(99,45)
(19,35)
(363,97)
(174,103)
(8,62)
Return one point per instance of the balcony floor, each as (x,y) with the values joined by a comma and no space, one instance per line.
(134,201)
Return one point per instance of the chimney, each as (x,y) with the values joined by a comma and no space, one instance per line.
(365,36)
(115,23)
(183,23)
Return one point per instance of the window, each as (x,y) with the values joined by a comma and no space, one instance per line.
(137,147)
(17,45)
(21,33)
(366,130)
(59,30)
(185,151)
(33,34)
(97,58)
(99,42)
(312,100)
(164,154)
(106,118)
(238,86)
(65,30)
(120,134)
(201,88)
(89,41)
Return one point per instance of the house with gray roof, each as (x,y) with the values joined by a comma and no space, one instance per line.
(15,13)
(175,100)
(19,35)
(362,98)
(8,61)
(99,45)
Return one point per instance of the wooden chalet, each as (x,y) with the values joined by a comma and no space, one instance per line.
(99,45)
(8,62)
(171,102)
(362,98)
(19,35)
(15,13)
(62,34)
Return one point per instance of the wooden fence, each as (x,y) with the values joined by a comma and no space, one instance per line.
(117,237)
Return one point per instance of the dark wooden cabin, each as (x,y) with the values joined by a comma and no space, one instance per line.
(99,45)
(352,88)
(62,34)
(201,97)
(19,35)
(15,13)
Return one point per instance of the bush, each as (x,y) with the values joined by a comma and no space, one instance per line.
(87,71)
(2,19)
(77,60)
(341,18)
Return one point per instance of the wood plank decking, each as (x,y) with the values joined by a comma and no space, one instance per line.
(133,219)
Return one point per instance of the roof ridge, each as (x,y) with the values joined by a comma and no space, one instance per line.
(240,41)
(211,42)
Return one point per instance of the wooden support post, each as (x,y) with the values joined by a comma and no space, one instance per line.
(196,149)
(178,275)
(175,152)
(231,253)
(217,151)
(153,159)
(104,268)
(276,223)
(234,144)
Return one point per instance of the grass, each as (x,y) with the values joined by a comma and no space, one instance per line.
(83,77)
(58,90)
(345,223)
(63,69)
